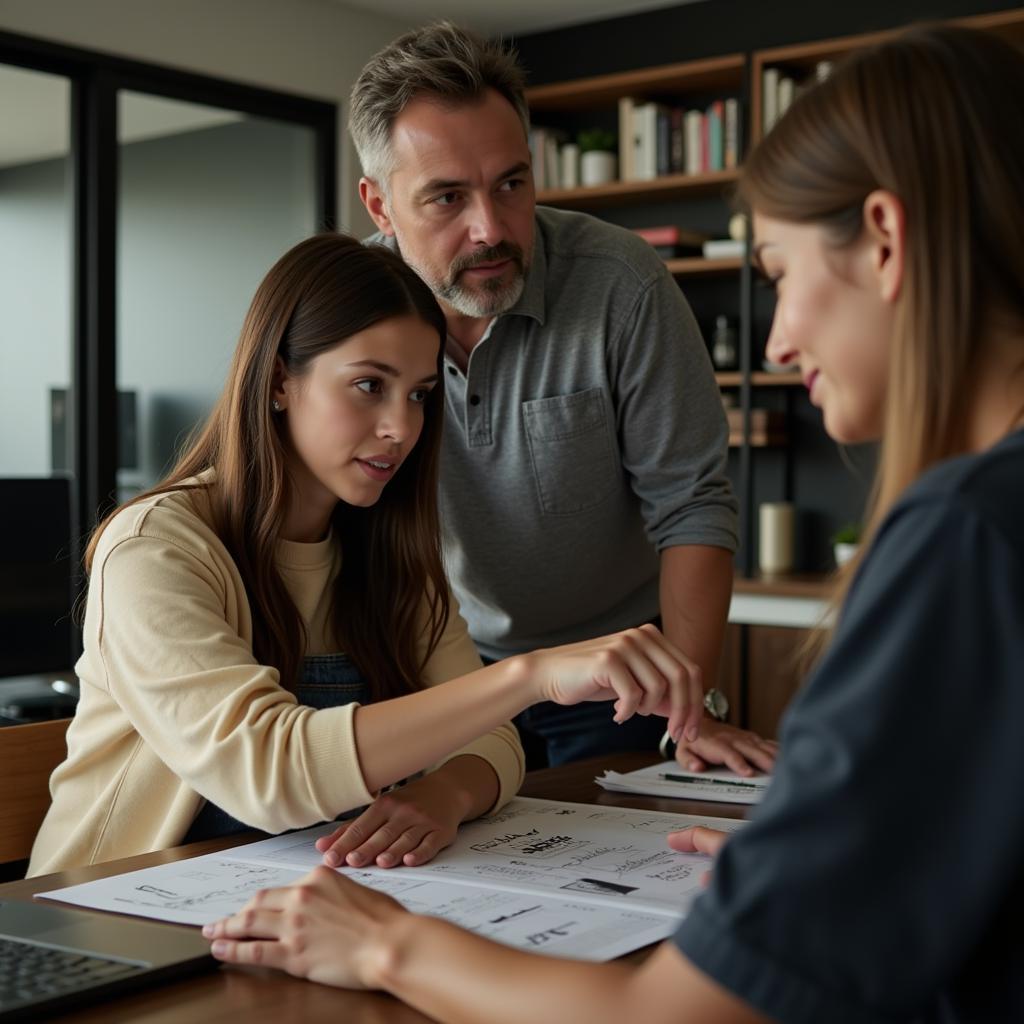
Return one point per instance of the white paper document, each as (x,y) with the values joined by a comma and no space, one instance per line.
(670,779)
(574,880)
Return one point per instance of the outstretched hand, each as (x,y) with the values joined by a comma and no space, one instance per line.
(638,669)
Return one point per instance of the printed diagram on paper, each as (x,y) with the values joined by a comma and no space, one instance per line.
(565,879)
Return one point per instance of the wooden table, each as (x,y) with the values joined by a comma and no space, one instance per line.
(257,995)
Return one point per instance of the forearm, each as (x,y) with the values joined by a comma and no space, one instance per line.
(473,782)
(454,976)
(396,738)
(695,589)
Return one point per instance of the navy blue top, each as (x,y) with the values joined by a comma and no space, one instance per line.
(882,878)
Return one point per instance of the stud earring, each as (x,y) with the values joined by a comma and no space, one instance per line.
(275,405)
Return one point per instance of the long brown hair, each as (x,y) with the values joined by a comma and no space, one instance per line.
(322,291)
(933,115)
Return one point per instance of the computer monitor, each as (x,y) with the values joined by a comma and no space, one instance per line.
(36,576)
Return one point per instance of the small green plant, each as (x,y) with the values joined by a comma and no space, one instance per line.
(592,139)
(848,534)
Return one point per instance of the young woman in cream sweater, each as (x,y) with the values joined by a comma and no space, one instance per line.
(267,630)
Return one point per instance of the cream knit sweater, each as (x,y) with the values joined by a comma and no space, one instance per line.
(175,708)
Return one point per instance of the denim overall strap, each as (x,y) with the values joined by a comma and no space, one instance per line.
(327,681)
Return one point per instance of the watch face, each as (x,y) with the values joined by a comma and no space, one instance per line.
(716,704)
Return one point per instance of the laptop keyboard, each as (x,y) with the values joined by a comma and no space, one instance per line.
(30,973)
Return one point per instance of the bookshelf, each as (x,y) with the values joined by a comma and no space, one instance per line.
(801,60)
(716,74)
(670,198)
(570,105)
(698,266)
(759,379)
(759,666)
(666,186)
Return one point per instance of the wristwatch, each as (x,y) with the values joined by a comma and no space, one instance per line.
(716,705)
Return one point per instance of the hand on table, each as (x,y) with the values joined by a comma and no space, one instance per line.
(407,826)
(323,928)
(739,750)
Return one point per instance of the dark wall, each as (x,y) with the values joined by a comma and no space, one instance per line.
(713,27)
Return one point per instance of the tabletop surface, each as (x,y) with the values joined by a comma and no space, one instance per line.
(258,995)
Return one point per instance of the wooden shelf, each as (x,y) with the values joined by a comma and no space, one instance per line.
(759,439)
(697,266)
(761,379)
(669,186)
(722,74)
(803,57)
(802,584)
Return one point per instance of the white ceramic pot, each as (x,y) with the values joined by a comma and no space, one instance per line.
(597,167)
(843,552)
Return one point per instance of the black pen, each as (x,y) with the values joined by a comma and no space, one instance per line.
(709,779)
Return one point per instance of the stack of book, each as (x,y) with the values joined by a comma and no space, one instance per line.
(779,89)
(544,146)
(656,140)
(723,248)
(767,426)
(670,241)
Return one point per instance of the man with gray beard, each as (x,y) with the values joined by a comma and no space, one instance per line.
(583,485)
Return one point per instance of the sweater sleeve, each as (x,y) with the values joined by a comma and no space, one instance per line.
(456,655)
(173,641)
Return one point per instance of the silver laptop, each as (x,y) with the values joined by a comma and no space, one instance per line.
(53,958)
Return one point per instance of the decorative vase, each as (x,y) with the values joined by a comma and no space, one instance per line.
(776,522)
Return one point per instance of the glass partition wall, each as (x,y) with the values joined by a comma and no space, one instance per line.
(208,199)
(139,208)
(36,345)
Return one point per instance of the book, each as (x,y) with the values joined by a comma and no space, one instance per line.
(693,123)
(564,879)
(670,234)
(787,93)
(645,148)
(626,110)
(769,99)
(544,144)
(663,148)
(769,421)
(677,141)
(767,426)
(552,165)
(723,248)
(731,134)
(714,117)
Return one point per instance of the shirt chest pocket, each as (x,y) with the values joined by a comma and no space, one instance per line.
(572,450)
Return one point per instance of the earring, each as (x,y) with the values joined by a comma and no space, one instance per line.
(275,405)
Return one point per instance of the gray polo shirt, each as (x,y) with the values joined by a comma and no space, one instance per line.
(586,436)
